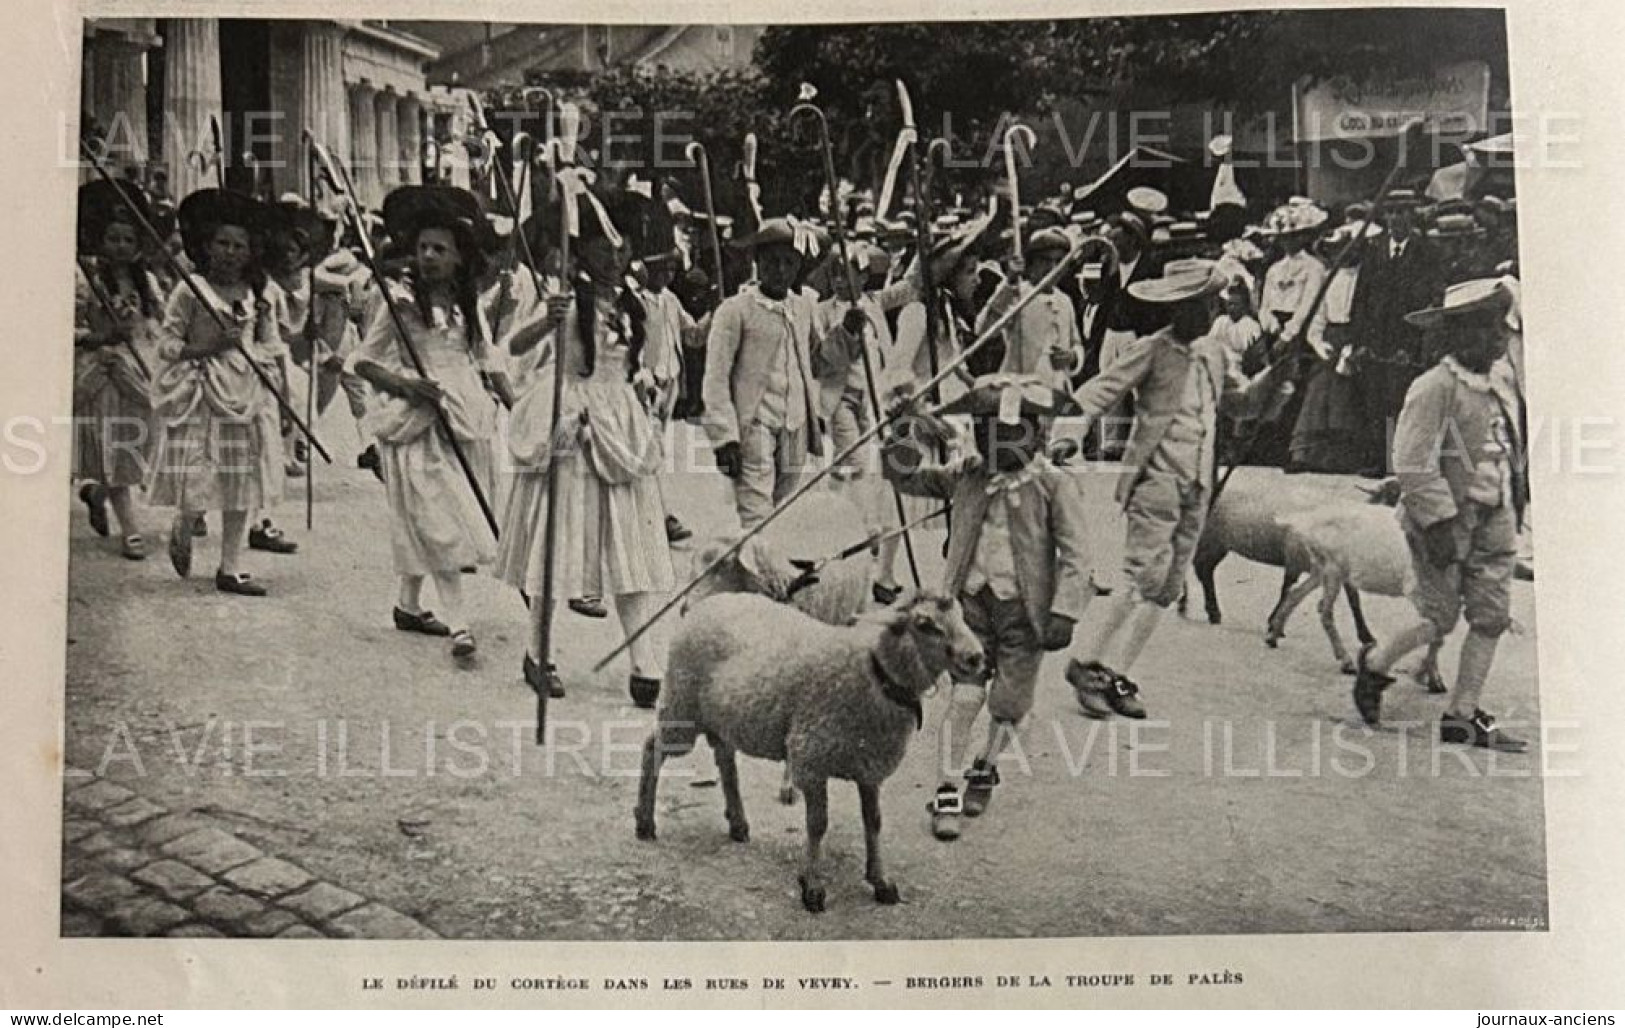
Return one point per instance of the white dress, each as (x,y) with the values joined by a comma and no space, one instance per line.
(611,536)
(436,524)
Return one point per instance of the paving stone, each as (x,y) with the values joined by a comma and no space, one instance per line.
(300,931)
(322,901)
(123,859)
(75,829)
(268,877)
(147,915)
(173,880)
(81,924)
(127,815)
(170,827)
(195,931)
(99,890)
(90,845)
(211,850)
(269,922)
(378,922)
(227,907)
(98,795)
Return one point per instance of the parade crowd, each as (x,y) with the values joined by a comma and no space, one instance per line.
(1379,340)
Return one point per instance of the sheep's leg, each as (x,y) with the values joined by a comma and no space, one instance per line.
(1361,629)
(733,808)
(812,876)
(874,868)
(665,741)
(1293,592)
(787,788)
(1330,589)
(1204,565)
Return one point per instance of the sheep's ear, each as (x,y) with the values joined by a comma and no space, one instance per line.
(754,557)
(708,552)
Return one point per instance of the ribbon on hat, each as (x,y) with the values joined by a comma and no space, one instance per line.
(802,236)
(574,184)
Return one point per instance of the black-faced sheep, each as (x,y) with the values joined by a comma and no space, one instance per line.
(763,679)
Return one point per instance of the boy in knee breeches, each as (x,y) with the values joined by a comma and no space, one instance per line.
(1016,561)
(1181,377)
(1458,457)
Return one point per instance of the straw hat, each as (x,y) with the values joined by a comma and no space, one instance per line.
(1181,280)
(1470,297)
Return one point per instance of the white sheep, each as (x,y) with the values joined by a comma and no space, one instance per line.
(763,679)
(1245,520)
(1349,547)
(820,525)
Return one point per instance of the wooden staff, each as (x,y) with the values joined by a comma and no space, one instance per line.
(838,225)
(235,335)
(563,149)
(313,336)
(371,257)
(696,153)
(993,330)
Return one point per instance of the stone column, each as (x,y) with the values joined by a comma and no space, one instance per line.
(389,140)
(191,97)
(409,115)
(364,144)
(324,107)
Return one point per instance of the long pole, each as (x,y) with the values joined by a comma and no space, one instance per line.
(563,146)
(702,161)
(418,366)
(998,325)
(235,335)
(838,226)
(313,334)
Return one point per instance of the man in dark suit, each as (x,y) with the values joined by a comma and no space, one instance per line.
(1400,274)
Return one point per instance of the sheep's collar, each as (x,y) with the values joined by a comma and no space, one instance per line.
(890,689)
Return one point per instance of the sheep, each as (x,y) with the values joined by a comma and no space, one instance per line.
(821,524)
(1244,521)
(1346,547)
(761,678)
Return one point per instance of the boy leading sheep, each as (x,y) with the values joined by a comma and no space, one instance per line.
(1016,561)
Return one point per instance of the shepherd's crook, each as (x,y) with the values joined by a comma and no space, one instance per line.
(838,225)
(696,153)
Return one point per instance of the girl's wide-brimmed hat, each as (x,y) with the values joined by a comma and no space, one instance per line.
(100,206)
(1470,297)
(204,211)
(1295,219)
(408,210)
(1181,280)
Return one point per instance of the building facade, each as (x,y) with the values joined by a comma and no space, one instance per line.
(156,89)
